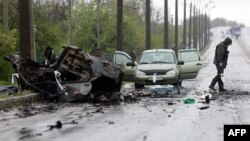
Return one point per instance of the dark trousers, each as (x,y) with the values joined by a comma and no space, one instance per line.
(217,78)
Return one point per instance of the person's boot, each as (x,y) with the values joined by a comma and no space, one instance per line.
(211,86)
(221,86)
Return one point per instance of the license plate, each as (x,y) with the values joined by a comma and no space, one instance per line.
(157,78)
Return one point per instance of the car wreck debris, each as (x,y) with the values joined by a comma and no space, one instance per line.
(204,107)
(8,90)
(73,76)
(57,125)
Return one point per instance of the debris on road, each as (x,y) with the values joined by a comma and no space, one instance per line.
(57,125)
(25,130)
(8,90)
(111,122)
(99,110)
(73,76)
(189,101)
(205,98)
(204,107)
(170,103)
(153,91)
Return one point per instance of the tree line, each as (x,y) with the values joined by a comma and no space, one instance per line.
(83,23)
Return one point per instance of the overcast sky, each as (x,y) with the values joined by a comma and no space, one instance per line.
(234,10)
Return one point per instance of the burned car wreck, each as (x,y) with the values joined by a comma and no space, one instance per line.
(73,76)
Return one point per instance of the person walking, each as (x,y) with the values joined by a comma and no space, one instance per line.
(220,61)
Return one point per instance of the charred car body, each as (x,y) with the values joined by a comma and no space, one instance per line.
(73,76)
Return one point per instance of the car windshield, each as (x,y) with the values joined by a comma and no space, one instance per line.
(157,58)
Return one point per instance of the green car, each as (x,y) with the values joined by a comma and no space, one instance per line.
(192,63)
(160,67)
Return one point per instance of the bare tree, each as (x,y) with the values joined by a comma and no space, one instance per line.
(119,25)
(165,40)
(176,28)
(148,21)
(26,28)
(98,24)
(70,22)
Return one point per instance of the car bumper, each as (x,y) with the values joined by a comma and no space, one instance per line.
(160,80)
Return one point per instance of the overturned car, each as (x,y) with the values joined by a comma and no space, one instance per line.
(73,76)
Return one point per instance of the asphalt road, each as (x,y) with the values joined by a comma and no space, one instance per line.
(148,119)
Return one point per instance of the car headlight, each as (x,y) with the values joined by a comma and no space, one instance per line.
(172,72)
(139,73)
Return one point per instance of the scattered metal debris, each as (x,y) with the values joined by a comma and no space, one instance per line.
(99,110)
(57,125)
(170,103)
(204,107)
(111,122)
(207,99)
(8,90)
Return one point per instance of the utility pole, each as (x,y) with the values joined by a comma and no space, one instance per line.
(199,28)
(200,31)
(148,26)
(205,29)
(165,40)
(26,28)
(194,26)
(119,25)
(172,20)
(157,17)
(190,26)
(98,25)
(184,26)
(70,23)
(5,15)
(176,28)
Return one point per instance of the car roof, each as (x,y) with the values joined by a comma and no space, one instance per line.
(158,50)
(188,50)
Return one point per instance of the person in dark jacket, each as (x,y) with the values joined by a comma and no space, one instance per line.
(220,61)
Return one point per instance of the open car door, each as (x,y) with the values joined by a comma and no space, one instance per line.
(123,59)
(192,63)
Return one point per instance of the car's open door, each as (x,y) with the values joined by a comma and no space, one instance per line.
(192,63)
(125,60)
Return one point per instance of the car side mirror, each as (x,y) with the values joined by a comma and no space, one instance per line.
(132,64)
(180,63)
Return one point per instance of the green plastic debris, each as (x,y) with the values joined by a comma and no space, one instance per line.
(189,101)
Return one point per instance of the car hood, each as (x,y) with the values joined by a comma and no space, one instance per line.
(146,67)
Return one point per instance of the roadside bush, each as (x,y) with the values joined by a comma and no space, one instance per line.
(8,45)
